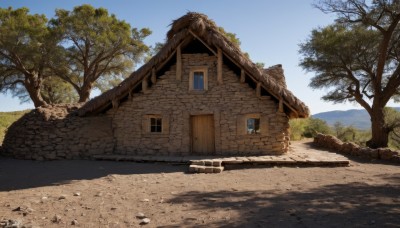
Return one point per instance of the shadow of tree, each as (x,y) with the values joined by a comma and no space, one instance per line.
(23,174)
(342,205)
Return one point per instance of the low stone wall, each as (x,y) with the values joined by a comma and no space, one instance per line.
(333,143)
(54,132)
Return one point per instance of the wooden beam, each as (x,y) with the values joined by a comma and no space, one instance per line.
(205,44)
(145,84)
(280,109)
(219,67)
(179,63)
(115,103)
(242,76)
(153,76)
(258,89)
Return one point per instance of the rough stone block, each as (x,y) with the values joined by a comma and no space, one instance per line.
(218,169)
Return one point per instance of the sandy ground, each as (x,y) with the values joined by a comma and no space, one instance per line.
(112,194)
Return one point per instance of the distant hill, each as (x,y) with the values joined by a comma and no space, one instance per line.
(357,118)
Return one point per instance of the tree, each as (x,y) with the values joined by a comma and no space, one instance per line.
(97,46)
(358,57)
(56,91)
(392,123)
(315,126)
(26,48)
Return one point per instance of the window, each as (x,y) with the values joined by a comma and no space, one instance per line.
(198,79)
(155,124)
(253,126)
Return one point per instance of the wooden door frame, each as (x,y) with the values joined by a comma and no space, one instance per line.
(191,130)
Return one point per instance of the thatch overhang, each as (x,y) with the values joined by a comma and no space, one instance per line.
(183,30)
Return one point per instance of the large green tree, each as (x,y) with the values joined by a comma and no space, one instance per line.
(26,48)
(357,57)
(97,46)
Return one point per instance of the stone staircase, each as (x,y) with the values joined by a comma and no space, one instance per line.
(206,166)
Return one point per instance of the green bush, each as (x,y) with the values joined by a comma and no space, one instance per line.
(6,119)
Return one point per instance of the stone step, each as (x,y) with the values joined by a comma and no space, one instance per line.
(205,169)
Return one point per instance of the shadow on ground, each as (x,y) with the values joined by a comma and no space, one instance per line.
(23,174)
(340,205)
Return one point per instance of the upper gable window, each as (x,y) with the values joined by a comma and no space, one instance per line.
(198,79)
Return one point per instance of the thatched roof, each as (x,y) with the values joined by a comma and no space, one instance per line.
(198,26)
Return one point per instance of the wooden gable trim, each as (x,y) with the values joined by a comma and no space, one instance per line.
(219,67)
(179,63)
(205,44)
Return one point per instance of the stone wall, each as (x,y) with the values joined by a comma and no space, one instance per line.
(171,99)
(333,143)
(55,132)
(52,132)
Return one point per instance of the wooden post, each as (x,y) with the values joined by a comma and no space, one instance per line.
(242,76)
(280,105)
(115,103)
(153,76)
(258,89)
(179,63)
(219,67)
(145,84)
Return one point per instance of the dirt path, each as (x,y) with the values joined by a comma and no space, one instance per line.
(111,194)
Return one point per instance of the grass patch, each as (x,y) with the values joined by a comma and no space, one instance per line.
(6,119)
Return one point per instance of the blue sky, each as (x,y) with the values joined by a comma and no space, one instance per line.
(270,31)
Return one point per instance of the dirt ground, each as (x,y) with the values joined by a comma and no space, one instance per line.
(113,194)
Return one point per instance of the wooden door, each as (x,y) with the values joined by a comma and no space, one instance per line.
(203,141)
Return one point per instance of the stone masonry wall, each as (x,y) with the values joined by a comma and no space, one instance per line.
(333,143)
(51,132)
(171,99)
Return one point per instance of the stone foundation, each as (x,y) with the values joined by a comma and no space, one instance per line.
(333,143)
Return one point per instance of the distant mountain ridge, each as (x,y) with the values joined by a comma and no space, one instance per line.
(357,118)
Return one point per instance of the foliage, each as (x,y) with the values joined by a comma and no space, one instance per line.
(392,121)
(56,91)
(316,126)
(297,127)
(26,48)
(231,36)
(308,128)
(6,119)
(357,57)
(97,46)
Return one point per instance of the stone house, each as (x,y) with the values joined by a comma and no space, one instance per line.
(200,95)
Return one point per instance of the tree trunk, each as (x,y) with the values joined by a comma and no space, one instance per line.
(380,134)
(33,84)
(84,92)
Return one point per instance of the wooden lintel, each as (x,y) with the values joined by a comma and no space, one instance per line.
(153,76)
(219,67)
(258,89)
(179,63)
(205,44)
(242,76)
